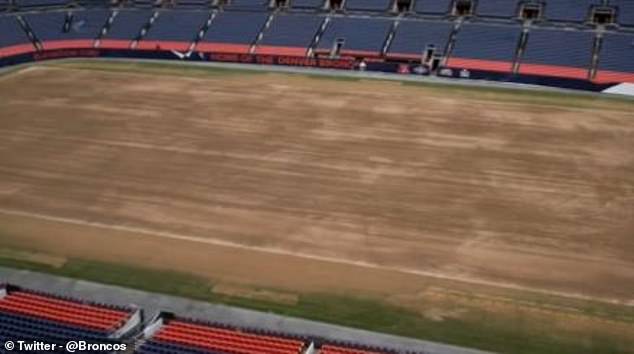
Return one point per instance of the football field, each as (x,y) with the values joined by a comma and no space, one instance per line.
(444,201)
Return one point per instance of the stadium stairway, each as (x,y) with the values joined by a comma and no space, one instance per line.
(289,34)
(125,27)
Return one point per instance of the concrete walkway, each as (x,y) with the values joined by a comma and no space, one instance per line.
(152,304)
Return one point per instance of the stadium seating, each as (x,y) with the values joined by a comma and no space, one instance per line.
(616,59)
(497,8)
(248,5)
(487,42)
(93,3)
(13,39)
(485,47)
(29,315)
(435,7)
(362,36)
(40,3)
(4,5)
(290,34)
(78,29)
(144,4)
(413,37)
(174,30)
(232,32)
(553,52)
(180,336)
(569,10)
(625,11)
(368,5)
(192,4)
(307,4)
(125,28)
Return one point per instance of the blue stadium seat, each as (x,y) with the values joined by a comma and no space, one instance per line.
(14,326)
(558,53)
(127,24)
(248,5)
(177,26)
(290,34)
(4,5)
(485,47)
(85,25)
(88,23)
(155,347)
(144,4)
(40,3)
(45,328)
(192,4)
(434,7)
(233,31)
(11,34)
(497,8)
(368,5)
(174,30)
(413,37)
(625,11)
(94,3)
(569,10)
(307,4)
(362,36)
(47,25)
(616,59)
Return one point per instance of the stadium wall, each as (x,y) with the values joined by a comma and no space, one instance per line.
(27,55)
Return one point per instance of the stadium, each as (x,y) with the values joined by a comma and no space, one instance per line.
(317,176)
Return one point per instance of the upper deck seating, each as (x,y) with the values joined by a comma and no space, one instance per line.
(93,3)
(192,4)
(569,10)
(497,8)
(361,36)
(413,37)
(248,5)
(485,47)
(558,53)
(307,4)
(25,4)
(178,336)
(125,28)
(290,34)
(232,32)
(174,30)
(616,59)
(54,31)
(368,5)
(433,7)
(144,4)
(4,5)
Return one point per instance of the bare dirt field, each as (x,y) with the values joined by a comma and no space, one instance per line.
(373,173)
(309,184)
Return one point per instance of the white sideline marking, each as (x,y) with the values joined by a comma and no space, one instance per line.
(621,89)
(279,251)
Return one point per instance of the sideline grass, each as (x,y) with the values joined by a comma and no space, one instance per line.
(486,331)
(528,95)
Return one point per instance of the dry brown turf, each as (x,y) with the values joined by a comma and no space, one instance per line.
(242,177)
